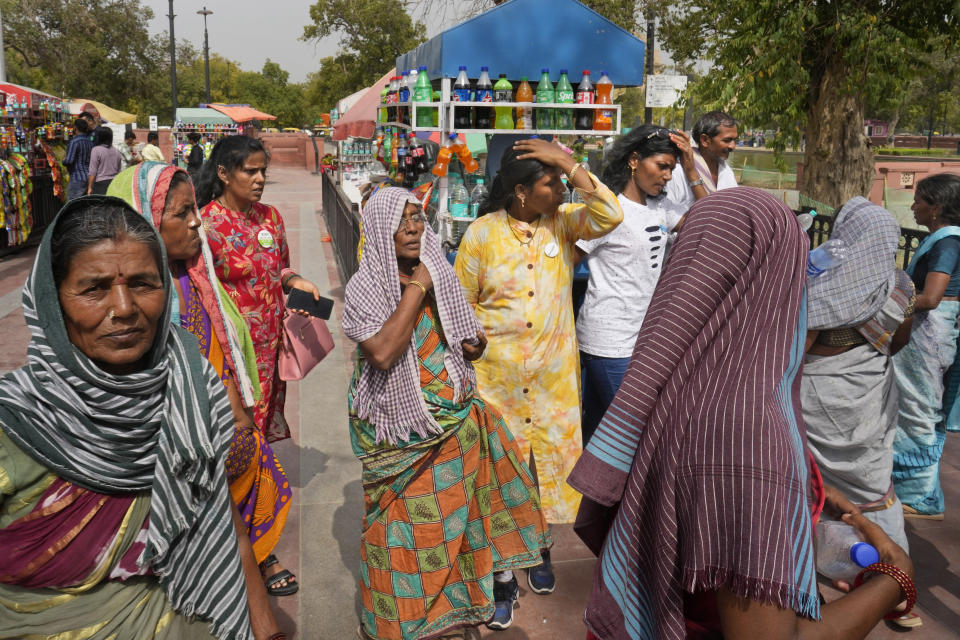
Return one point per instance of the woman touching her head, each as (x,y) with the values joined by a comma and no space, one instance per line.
(515,265)
(626,263)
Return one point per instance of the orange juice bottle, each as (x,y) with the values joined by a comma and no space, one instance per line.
(525,113)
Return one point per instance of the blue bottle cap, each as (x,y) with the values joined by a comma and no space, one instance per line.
(422,67)
(864,554)
(405,73)
(454,136)
(463,67)
(562,71)
(484,68)
(544,70)
(603,73)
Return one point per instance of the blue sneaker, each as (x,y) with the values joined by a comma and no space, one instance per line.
(504,598)
(540,578)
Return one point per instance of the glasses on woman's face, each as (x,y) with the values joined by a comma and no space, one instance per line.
(417,219)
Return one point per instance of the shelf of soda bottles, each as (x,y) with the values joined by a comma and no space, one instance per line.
(614,110)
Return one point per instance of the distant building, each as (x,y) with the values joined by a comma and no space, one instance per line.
(875,128)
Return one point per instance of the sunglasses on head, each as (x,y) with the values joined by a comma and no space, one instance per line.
(660,133)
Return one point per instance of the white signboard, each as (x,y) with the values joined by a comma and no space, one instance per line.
(664,91)
(153,123)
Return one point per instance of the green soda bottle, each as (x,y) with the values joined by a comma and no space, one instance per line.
(564,96)
(503,92)
(423,92)
(545,94)
(382,111)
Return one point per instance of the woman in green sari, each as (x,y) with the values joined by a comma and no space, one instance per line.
(115,516)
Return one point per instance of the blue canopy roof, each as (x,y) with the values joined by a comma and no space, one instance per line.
(520,37)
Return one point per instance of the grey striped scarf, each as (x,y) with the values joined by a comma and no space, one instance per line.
(165,429)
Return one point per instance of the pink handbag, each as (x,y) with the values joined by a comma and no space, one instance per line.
(306,341)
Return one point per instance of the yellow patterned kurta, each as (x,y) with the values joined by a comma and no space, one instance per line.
(531,367)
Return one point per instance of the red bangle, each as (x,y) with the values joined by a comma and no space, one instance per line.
(907,586)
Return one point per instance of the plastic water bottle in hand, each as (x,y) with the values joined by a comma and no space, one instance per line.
(841,554)
(827,256)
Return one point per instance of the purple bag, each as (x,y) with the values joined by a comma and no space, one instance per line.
(306,341)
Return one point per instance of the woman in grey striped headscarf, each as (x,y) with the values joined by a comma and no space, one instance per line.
(115,518)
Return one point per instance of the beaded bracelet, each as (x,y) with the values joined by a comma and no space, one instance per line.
(907,586)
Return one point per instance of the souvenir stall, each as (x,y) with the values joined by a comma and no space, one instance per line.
(209,123)
(353,133)
(495,76)
(33,180)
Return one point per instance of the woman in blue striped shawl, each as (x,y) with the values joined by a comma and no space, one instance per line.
(115,519)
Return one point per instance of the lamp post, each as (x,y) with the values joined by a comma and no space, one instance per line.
(173,64)
(206,50)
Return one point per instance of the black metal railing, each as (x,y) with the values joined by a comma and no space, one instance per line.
(910,239)
(343,223)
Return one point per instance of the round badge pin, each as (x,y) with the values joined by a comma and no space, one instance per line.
(265,238)
(551,250)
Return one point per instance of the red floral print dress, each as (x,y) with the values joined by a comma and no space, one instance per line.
(250,251)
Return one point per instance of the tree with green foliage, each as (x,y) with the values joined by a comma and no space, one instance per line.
(806,67)
(372,34)
(98,49)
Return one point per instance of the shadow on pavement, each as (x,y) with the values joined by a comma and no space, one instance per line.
(347,526)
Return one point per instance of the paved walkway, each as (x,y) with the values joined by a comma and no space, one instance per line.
(321,540)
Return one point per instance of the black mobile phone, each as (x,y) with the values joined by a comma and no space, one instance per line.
(301,300)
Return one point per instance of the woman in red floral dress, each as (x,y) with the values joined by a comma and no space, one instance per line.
(252,260)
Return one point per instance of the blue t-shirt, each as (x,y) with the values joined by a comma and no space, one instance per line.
(943,257)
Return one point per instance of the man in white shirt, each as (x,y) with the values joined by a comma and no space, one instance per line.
(716,137)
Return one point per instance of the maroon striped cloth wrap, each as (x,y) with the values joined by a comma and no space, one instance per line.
(698,476)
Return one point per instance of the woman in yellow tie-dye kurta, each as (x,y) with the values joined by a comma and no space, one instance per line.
(517,276)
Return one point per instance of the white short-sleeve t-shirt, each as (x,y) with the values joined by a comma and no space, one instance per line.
(678,189)
(624,267)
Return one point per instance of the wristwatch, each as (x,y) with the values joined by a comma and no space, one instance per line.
(696,183)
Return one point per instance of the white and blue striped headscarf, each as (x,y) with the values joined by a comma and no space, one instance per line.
(165,429)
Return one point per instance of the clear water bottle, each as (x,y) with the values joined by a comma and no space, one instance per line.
(806,219)
(827,256)
(841,554)
(477,196)
(459,200)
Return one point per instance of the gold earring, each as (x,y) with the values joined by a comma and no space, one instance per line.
(633,171)
(523,201)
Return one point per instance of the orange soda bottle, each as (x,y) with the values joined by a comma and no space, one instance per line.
(443,157)
(524,113)
(463,152)
(603,118)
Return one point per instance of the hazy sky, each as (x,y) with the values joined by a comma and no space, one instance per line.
(249,31)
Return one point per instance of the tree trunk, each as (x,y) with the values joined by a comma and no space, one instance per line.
(838,163)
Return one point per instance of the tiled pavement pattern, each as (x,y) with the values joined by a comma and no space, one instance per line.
(321,540)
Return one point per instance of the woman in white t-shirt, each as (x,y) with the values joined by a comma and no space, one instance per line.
(626,263)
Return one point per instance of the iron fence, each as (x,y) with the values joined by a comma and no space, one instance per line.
(343,222)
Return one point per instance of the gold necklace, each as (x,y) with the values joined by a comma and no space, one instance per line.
(514,233)
(224,205)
